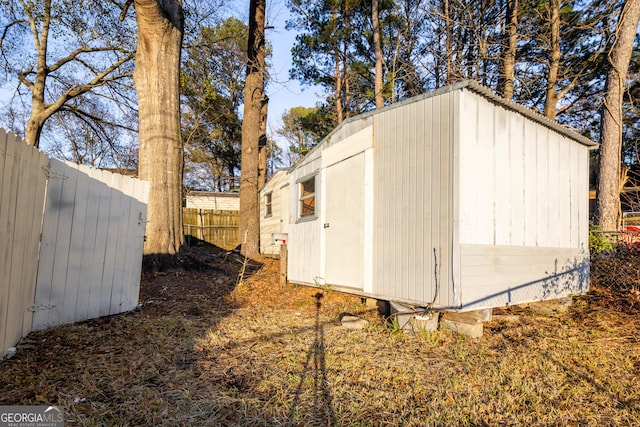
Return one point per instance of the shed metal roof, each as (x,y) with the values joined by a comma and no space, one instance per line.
(479,89)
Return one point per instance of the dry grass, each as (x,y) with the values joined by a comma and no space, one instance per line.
(202,351)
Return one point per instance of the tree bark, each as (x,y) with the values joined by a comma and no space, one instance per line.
(254,100)
(339,83)
(508,63)
(377,48)
(551,99)
(157,77)
(262,145)
(611,132)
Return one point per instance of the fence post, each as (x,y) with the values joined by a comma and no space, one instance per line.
(283,265)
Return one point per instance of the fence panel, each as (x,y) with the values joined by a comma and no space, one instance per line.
(92,238)
(22,188)
(218,228)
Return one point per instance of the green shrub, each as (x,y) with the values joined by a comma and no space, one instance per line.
(599,241)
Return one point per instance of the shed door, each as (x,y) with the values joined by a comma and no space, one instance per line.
(344,223)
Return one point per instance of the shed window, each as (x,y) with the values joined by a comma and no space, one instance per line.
(308,198)
(267,204)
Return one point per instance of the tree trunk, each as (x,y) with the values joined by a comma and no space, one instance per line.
(551,99)
(508,63)
(262,152)
(156,75)
(377,48)
(338,71)
(338,87)
(254,99)
(611,132)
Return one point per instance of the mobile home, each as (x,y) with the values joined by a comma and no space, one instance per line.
(454,200)
(274,213)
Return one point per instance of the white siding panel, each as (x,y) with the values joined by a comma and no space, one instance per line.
(470,179)
(485,189)
(495,276)
(348,147)
(421,205)
(304,253)
(543,191)
(580,185)
(516,179)
(304,235)
(413,212)
(576,192)
(502,177)
(368,221)
(343,222)
(530,158)
(558,192)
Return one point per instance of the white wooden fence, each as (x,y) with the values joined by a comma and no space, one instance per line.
(70,241)
(22,187)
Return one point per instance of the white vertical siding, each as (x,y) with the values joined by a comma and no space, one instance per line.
(343,222)
(520,208)
(368,220)
(580,194)
(413,205)
(307,237)
(496,276)
(304,236)
(517,179)
(503,175)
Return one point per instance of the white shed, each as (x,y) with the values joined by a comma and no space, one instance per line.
(274,212)
(456,200)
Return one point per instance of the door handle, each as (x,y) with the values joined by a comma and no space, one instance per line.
(326,225)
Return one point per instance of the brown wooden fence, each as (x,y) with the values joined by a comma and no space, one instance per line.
(218,228)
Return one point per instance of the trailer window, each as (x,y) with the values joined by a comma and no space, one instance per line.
(267,205)
(307,198)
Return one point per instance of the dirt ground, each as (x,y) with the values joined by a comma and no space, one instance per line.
(206,348)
